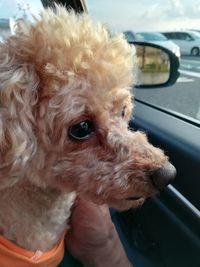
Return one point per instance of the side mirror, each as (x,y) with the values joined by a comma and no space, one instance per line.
(156,66)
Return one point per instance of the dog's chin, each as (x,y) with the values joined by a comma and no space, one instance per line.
(126,204)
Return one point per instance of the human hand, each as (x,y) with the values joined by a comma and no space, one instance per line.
(93,238)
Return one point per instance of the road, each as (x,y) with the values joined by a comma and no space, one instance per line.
(184,96)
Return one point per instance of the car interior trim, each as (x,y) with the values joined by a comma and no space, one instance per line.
(184,201)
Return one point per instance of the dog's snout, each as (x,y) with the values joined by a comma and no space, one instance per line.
(163,176)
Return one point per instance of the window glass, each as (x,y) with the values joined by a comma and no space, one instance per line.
(195,35)
(153,16)
(147,18)
(150,36)
(184,36)
(175,35)
(129,36)
(169,35)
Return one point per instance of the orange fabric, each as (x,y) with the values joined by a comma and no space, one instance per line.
(13,256)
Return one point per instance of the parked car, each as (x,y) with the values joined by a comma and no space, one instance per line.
(152,37)
(188,41)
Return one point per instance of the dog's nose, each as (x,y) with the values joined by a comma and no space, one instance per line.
(163,176)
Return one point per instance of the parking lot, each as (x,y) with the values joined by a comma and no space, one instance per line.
(184,96)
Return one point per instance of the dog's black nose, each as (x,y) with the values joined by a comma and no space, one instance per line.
(163,176)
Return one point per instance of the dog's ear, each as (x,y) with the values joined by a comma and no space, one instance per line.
(18,97)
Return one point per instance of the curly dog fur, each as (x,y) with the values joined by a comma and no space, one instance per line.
(55,72)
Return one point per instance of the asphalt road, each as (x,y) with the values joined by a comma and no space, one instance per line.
(184,96)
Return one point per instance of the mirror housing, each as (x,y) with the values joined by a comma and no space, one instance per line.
(156,66)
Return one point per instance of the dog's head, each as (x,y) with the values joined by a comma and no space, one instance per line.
(65,103)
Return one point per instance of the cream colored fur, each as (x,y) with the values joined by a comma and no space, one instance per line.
(55,72)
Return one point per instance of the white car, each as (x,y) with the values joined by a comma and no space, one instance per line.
(188,41)
(153,37)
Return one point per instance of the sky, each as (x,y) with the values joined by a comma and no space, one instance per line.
(9,8)
(136,15)
(147,15)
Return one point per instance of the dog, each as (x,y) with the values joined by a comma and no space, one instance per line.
(65,103)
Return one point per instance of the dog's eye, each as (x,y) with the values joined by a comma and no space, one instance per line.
(82,130)
(123,111)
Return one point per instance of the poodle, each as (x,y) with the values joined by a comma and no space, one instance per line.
(65,104)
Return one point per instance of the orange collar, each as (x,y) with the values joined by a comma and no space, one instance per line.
(13,255)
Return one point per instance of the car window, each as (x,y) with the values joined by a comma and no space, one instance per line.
(170,35)
(176,35)
(187,37)
(151,18)
(195,35)
(149,36)
(183,98)
(129,36)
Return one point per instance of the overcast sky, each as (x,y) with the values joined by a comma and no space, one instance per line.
(134,15)
(147,14)
(9,8)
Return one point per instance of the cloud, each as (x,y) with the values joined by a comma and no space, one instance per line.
(188,9)
(193,10)
(177,4)
(151,12)
(175,9)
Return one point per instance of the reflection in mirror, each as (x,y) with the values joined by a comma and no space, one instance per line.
(153,65)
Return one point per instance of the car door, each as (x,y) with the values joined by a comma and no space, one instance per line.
(168,226)
(183,41)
